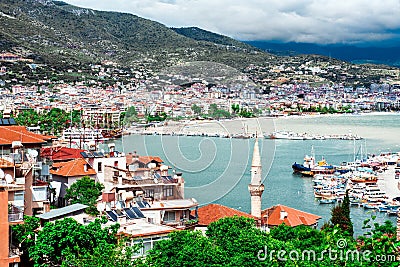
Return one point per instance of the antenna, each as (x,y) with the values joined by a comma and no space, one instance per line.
(33,153)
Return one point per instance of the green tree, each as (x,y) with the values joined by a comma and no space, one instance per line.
(54,121)
(341,216)
(346,213)
(130,115)
(68,239)
(196,109)
(157,117)
(85,191)
(185,248)
(380,240)
(246,113)
(212,109)
(240,240)
(28,118)
(105,255)
(23,236)
(76,118)
(235,108)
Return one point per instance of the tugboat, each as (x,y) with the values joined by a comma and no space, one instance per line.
(310,169)
(309,163)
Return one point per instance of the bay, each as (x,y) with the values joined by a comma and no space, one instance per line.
(217,170)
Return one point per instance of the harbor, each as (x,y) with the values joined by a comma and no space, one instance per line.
(371,183)
(234,128)
(206,161)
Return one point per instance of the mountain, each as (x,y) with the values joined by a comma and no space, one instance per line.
(375,55)
(203,35)
(61,34)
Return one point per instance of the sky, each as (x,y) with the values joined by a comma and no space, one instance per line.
(310,21)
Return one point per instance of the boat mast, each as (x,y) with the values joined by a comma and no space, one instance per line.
(312,163)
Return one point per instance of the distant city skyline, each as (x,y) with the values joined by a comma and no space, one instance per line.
(357,22)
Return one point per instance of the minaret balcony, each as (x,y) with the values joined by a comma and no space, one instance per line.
(256,189)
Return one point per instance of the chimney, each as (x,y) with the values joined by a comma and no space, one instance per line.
(111,147)
(85,167)
(283,215)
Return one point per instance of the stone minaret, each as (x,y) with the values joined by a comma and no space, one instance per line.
(255,187)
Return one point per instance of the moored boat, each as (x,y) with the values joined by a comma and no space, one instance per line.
(327,200)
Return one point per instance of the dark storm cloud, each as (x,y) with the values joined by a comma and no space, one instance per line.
(316,21)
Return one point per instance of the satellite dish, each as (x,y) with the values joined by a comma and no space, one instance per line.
(9,179)
(101,207)
(33,153)
(152,165)
(129,195)
(1,174)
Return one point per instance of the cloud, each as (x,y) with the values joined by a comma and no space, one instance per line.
(316,21)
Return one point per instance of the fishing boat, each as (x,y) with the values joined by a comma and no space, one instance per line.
(286,135)
(305,168)
(356,201)
(327,200)
(370,206)
(393,212)
(324,193)
(307,173)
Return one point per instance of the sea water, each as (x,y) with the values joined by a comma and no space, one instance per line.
(217,170)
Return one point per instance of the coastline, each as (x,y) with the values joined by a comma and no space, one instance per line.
(248,127)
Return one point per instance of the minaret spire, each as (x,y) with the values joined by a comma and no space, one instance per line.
(256,188)
(256,165)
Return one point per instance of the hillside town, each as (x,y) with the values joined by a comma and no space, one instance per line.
(140,193)
(102,93)
(129,142)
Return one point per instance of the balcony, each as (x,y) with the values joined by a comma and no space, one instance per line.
(183,223)
(14,252)
(15,217)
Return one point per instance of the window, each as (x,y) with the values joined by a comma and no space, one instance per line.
(149,193)
(168,191)
(19,199)
(99,167)
(169,216)
(147,246)
(116,163)
(39,193)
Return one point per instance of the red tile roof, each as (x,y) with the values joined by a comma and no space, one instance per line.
(61,153)
(147,159)
(272,216)
(5,163)
(72,168)
(8,134)
(213,212)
